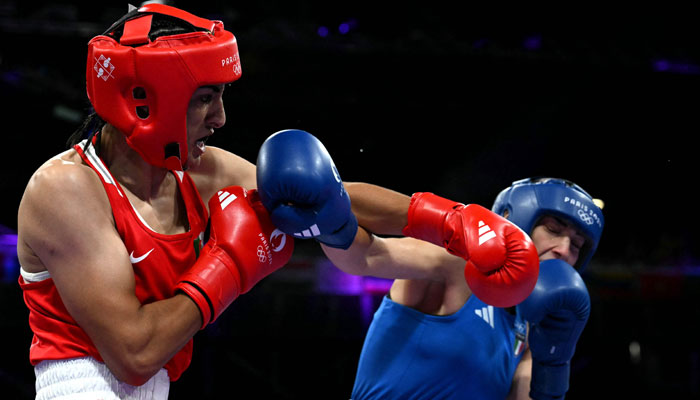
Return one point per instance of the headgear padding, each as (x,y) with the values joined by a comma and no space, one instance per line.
(528,200)
(143,86)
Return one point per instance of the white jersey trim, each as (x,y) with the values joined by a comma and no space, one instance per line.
(30,277)
(104,172)
(99,166)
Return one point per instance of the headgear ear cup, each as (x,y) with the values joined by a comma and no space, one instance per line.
(528,200)
(143,87)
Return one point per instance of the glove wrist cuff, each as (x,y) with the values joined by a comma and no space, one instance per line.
(426,218)
(199,299)
(343,237)
(213,282)
(549,381)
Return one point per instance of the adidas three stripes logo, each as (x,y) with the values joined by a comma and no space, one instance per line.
(313,231)
(486,313)
(225,198)
(485,233)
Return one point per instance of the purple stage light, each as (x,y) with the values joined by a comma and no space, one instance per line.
(12,77)
(9,264)
(661,65)
(322,31)
(533,42)
(676,67)
(333,280)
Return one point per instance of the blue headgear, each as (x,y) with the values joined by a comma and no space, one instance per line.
(530,199)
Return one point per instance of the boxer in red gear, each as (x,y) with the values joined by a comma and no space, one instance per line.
(107,228)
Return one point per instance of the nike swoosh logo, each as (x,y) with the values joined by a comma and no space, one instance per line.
(135,260)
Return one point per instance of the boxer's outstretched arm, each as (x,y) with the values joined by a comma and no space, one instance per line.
(301,188)
(378,209)
(395,258)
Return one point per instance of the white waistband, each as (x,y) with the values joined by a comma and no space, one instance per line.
(86,378)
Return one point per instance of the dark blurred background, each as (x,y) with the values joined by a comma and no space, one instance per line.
(414,96)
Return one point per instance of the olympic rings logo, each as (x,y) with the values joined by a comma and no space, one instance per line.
(262,256)
(232,60)
(585,217)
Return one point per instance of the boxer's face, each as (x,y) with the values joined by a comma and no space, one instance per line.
(204,114)
(556,238)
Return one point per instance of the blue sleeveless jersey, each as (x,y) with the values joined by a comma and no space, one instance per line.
(471,354)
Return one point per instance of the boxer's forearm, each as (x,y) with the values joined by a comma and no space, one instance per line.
(379,210)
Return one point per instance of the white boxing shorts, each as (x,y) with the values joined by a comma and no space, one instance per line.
(86,378)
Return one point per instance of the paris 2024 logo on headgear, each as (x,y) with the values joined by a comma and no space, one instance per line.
(586,214)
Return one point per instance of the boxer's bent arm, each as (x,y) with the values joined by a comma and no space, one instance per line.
(66,220)
(395,258)
(379,210)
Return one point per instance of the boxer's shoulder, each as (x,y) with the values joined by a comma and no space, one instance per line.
(64,177)
(61,192)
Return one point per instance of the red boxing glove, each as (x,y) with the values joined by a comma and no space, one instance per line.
(502,262)
(243,248)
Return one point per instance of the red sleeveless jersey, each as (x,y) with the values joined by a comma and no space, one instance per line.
(157,259)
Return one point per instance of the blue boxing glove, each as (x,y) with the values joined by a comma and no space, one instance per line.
(557,310)
(302,190)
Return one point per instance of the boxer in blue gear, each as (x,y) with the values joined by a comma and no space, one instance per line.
(430,338)
(415,349)
(528,200)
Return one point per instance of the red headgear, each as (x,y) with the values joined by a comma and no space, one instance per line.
(143,87)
